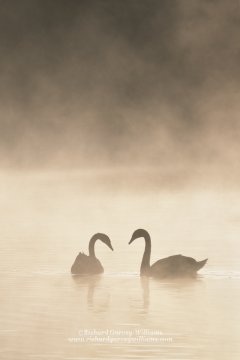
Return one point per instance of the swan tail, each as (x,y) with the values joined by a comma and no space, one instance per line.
(201,264)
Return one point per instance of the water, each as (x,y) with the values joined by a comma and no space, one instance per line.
(48,314)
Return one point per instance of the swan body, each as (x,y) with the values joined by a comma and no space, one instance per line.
(89,264)
(172,266)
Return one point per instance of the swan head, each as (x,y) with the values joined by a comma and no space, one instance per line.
(105,239)
(137,234)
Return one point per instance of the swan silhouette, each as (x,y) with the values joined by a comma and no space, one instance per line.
(89,264)
(172,266)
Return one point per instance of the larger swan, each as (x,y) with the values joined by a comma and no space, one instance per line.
(89,264)
(172,266)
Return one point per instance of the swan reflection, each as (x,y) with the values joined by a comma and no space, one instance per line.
(169,286)
(97,299)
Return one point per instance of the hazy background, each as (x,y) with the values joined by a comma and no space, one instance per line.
(150,85)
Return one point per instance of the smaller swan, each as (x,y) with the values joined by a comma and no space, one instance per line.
(172,266)
(89,264)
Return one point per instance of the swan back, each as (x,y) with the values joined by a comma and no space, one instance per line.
(176,266)
(86,265)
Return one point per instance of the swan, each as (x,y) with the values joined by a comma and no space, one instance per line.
(172,266)
(89,264)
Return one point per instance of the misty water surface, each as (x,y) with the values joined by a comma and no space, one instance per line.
(46,219)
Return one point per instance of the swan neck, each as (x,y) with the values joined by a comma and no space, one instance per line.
(145,265)
(91,246)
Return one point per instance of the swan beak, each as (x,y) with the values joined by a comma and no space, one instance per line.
(131,241)
(111,247)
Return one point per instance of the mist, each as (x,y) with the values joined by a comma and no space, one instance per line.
(109,85)
(117,115)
